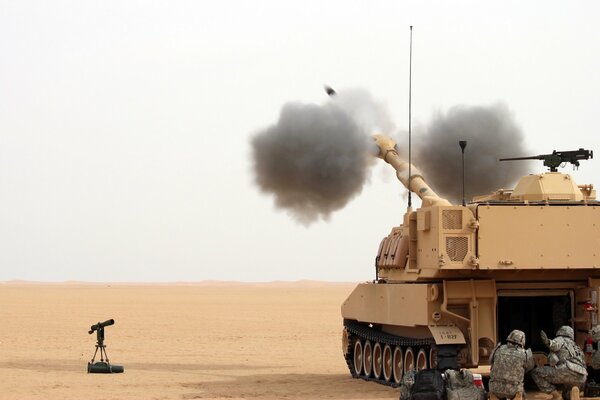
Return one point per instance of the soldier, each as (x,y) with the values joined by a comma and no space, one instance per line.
(510,361)
(408,380)
(596,356)
(567,364)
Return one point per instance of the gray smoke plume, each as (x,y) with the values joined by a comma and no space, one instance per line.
(491,133)
(369,113)
(314,159)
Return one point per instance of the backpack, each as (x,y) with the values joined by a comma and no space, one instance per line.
(429,385)
(508,365)
(575,362)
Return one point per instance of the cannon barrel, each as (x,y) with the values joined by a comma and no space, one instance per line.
(388,153)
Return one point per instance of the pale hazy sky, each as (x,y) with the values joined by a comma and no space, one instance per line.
(125,125)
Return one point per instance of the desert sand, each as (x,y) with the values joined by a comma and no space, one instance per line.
(178,341)
(202,341)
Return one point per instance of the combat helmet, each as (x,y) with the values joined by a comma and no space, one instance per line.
(516,337)
(566,331)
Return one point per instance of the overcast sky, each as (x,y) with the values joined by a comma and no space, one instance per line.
(125,125)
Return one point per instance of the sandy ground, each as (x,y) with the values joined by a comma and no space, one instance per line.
(274,341)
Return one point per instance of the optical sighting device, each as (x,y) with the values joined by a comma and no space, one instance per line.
(103,366)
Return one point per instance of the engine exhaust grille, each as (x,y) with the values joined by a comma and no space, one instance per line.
(452,219)
(457,247)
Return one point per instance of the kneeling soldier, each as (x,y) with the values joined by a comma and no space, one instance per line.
(510,361)
(567,364)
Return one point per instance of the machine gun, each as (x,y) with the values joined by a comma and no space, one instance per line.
(554,160)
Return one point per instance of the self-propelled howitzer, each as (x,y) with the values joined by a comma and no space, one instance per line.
(454,280)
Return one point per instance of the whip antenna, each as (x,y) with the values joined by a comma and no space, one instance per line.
(463,144)
(409,121)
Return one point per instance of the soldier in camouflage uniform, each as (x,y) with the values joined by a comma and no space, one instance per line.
(408,380)
(510,361)
(596,356)
(567,364)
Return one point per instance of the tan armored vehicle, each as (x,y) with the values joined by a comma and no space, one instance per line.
(454,280)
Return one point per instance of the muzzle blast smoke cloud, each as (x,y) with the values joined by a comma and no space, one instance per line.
(316,158)
(491,133)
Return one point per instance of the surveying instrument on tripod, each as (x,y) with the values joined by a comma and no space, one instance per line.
(103,366)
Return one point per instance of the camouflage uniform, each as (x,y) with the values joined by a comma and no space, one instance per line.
(408,380)
(596,360)
(510,361)
(596,356)
(567,363)
(459,386)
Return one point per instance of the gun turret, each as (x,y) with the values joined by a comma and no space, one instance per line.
(554,160)
(388,153)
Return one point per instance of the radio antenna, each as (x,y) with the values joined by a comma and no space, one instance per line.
(463,144)
(410,122)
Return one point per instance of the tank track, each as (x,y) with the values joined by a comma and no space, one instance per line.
(363,331)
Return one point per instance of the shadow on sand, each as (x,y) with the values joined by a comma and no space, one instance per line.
(290,386)
(79,366)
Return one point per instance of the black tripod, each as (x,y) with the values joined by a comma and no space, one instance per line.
(103,366)
(100,346)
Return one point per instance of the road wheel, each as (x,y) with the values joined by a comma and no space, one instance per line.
(432,357)
(409,359)
(421,360)
(397,365)
(367,358)
(377,360)
(387,363)
(358,357)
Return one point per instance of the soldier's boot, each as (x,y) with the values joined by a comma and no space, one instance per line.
(556,395)
(518,396)
(574,393)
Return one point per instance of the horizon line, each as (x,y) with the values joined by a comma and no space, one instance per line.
(201,282)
